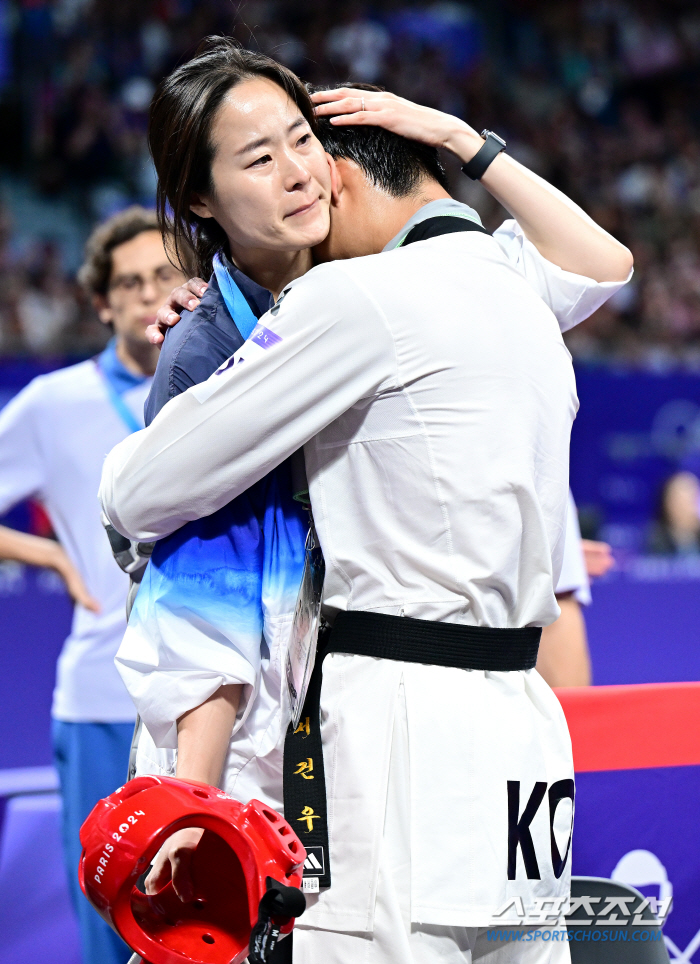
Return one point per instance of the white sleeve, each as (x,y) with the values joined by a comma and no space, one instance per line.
(322,348)
(572,297)
(21,464)
(573,577)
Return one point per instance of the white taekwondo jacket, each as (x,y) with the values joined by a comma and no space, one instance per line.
(434,396)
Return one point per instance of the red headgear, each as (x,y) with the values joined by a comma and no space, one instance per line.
(246,872)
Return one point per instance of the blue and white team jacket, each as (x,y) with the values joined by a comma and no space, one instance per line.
(217,599)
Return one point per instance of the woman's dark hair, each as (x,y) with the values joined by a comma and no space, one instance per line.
(179,135)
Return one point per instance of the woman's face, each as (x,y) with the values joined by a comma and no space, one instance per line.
(270,174)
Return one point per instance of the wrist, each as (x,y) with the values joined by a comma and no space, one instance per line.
(56,557)
(463,141)
(200,774)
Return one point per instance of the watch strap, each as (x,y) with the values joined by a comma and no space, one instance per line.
(491,148)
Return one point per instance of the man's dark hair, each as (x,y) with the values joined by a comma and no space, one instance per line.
(95,273)
(395,164)
(179,134)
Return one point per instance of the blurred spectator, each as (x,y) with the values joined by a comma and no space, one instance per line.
(676,531)
(564,658)
(598,558)
(359,44)
(46,307)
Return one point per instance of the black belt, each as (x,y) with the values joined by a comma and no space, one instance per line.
(385,637)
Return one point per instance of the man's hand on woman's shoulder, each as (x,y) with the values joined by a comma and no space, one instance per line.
(185,296)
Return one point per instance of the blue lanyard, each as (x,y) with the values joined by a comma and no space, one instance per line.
(118,403)
(238,307)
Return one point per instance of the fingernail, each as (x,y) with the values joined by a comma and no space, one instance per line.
(192,304)
(172,316)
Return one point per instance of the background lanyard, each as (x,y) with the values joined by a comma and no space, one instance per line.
(118,403)
(235,301)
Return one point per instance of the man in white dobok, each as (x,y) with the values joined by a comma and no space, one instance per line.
(434,397)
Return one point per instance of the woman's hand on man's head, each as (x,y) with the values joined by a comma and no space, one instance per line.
(185,296)
(354,106)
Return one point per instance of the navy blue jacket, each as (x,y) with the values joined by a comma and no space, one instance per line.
(201,341)
(193,350)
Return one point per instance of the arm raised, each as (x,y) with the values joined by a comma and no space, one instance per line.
(560,230)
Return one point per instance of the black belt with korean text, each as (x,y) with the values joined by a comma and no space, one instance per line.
(384,637)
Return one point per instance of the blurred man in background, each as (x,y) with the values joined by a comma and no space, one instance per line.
(54,436)
(564,658)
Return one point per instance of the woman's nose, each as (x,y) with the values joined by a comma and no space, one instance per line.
(295,173)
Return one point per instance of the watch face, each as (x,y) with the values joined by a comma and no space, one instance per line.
(500,140)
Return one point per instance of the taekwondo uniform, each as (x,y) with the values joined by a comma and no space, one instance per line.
(437,457)
(54,436)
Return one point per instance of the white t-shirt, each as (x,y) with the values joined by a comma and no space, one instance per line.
(54,436)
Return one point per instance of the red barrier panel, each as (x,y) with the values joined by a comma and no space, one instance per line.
(633,727)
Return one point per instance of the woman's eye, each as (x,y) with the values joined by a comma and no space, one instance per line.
(262,160)
(303,140)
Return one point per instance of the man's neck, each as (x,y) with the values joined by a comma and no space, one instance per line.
(138,357)
(390,214)
(272,269)
(368,218)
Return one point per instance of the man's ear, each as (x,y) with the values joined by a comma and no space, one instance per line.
(336,180)
(200,207)
(104,312)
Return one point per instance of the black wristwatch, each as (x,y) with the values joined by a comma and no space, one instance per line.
(476,168)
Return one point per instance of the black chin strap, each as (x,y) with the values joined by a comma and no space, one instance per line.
(278,905)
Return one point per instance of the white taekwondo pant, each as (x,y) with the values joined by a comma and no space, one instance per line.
(395,939)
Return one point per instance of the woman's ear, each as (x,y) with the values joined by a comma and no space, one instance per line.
(336,180)
(200,207)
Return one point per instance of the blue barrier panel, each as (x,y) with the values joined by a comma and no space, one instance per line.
(641,827)
(644,622)
(35,616)
(37,921)
(632,431)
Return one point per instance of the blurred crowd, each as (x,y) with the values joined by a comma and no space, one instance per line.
(601,97)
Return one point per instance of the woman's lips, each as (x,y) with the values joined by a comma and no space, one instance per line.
(304,209)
